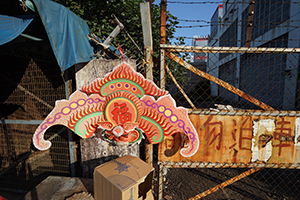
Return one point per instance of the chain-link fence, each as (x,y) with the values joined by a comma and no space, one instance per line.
(233,81)
(29,92)
(207,183)
(269,75)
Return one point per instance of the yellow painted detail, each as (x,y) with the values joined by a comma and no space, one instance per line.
(161,109)
(81,102)
(66,110)
(168,113)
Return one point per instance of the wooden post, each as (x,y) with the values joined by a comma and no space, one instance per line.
(147,35)
(148,44)
(96,151)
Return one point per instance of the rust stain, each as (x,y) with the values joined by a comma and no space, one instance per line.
(263,140)
(227,140)
(234,122)
(235,155)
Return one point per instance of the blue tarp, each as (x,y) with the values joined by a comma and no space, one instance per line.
(67,33)
(12,26)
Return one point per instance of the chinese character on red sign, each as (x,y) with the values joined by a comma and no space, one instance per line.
(214,131)
(120,114)
(282,129)
(245,141)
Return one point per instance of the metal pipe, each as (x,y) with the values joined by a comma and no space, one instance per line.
(72,145)
(29,93)
(28,154)
(20,121)
(163,21)
(180,89)
(116,19)
(171,164)
(198,49)
(226,183)
(16,163)
(241,112)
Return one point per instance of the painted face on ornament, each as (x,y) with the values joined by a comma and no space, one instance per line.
(122,104)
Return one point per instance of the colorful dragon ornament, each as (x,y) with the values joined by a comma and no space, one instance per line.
(122,104)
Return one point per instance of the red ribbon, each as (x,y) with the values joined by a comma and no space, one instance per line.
(121,51)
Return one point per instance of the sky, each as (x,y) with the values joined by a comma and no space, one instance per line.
(192,12)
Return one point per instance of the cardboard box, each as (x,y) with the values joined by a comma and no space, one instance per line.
(127,177)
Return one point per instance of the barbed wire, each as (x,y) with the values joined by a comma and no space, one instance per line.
(221,2)
(238,23)
(190,37)
(201,26)
(231,22)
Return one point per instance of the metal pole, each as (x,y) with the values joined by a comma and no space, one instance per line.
(160,181)
(26,156)
(72,143)
(250,23)
(163,21)
(162,80)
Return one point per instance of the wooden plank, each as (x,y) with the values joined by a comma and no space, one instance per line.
(147,35)
(58,187)
(148,47)
(242,140)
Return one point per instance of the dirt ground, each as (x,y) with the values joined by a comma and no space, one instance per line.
(269,184)
(265,184)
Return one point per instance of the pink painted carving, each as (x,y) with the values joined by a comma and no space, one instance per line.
(121,104)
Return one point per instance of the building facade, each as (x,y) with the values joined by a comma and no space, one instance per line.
(271,78)
(199,61)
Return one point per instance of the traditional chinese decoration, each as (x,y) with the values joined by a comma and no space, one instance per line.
(122,104)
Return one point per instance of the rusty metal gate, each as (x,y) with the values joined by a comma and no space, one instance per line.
(243,103)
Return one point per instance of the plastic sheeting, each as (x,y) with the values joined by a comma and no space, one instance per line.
(67,33)
(12,26)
